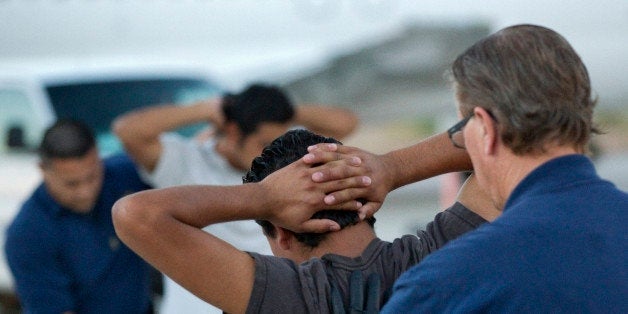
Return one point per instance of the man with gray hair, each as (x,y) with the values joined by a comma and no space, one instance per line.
(560,244)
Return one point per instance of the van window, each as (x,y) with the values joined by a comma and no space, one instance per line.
(98,103)
(19,128)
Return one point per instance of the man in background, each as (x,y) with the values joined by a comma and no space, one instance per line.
(61,247)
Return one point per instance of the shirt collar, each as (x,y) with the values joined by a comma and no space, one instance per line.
(552,174)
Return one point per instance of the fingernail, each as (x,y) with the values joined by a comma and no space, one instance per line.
(311,148)
(366,180)
(308,157)
(332,146)
(317,176)
(356,161)
(329,199)
(334,227)
(362,215)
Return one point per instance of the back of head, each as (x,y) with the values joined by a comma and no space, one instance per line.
(255,105)
(283,151)
(534,84)
(66,138)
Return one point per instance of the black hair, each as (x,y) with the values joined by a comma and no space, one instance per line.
(283,151)
(66,138)
(255,105)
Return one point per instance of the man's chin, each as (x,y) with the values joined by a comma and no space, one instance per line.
(85,209)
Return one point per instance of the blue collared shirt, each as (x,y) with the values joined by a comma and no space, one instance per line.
(560,246)
(66,261)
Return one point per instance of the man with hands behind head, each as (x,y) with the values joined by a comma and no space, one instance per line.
(243,123)
(164,227)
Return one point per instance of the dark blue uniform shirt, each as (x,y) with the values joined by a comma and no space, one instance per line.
(560,246)
(65,261)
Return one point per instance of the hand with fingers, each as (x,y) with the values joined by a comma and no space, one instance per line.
(293,198)
(363,295)
(341,163)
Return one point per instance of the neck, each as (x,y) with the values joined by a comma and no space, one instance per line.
(226,151)
(516,168)
(350,242)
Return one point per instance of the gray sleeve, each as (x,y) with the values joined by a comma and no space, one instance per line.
(276,287)
(446,226)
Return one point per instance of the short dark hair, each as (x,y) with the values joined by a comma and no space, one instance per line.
(255,105)
(283,151)
(66,138)
(534,84)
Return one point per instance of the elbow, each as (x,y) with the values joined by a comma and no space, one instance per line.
(121,127)
(347,126)
(127,219)
(351,124)
(130,130)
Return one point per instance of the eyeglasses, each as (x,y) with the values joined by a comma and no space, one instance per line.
(455,132)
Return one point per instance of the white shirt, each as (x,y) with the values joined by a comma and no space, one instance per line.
(186,161)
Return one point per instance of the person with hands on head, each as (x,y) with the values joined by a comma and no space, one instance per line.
(165,227)
(380,174)
(243,124)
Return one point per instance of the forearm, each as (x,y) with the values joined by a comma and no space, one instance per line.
(164,228)
(149,123)
(139,131)
(194,205)
(287,197)
(325,120)
(428,158)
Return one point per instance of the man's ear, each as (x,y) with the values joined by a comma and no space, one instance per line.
(43,167)
(285,238)
(232,132)
(489,130)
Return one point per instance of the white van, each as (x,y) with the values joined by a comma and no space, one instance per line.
(33,96)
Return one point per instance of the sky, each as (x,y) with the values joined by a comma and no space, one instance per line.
(281,37)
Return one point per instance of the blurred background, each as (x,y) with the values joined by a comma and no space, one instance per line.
(383,59)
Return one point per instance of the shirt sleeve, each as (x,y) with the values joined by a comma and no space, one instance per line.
(40,282)
(446,226)
(276,288)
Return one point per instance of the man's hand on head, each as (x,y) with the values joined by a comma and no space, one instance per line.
(294,197)
(341,163)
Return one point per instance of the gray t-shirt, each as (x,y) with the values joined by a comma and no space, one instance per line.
(185,161)
(282,286)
